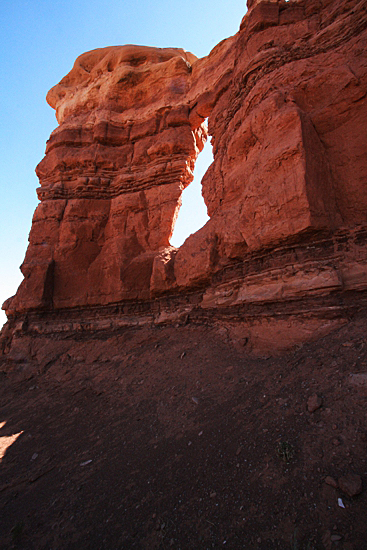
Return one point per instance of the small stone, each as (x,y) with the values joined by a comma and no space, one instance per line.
(359,379)
(195,400)
(336,442)
(34,456)
(314,402)
(238,451)
(326,540)
(213,495)
(335,538)
(182,354)
(331,481)
(351,484)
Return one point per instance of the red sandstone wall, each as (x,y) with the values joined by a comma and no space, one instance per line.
(287,117)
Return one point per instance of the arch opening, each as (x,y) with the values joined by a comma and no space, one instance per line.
(193,212)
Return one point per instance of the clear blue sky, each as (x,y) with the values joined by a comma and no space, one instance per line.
(40,41)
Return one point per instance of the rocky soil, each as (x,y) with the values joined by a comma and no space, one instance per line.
(175,437)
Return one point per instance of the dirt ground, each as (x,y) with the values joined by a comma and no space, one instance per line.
(174,438)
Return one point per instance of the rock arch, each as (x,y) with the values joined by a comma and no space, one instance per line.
(286,192)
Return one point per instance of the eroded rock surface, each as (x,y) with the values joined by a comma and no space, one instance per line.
(111,179)
(283,257)
(287,131)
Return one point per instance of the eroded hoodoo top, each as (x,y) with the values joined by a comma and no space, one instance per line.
(121,78)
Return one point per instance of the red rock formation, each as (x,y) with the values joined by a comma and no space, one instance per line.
(286,193)
(287,132)
(111,179)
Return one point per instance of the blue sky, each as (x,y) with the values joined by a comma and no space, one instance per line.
(40,41)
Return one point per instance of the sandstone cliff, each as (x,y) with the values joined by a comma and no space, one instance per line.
(283,256)
(111,179)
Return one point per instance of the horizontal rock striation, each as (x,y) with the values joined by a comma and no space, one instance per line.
(269,302)
(283,256)
(111,179)
(289,156)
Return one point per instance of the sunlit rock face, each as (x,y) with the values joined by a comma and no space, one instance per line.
(287,131)
(112,177)
(286,193)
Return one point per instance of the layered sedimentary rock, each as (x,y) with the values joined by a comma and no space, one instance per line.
(288,131)
(285,247)
(112,177)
